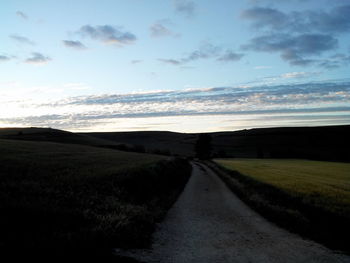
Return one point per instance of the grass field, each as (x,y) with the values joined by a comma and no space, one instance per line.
(322,184)
(70,196)
(310,197)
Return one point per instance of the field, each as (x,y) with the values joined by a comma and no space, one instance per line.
(66,196)
(323,184)
(311,197)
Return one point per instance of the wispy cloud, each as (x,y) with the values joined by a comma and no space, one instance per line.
(4,58)
(297,75)
(161,29)
(74,44)
(230,56)
(170,61)
(185,7)
(108,34)
(136,61)
(22,15)
(335,61)
(205,51)
(38,58)
(22,40)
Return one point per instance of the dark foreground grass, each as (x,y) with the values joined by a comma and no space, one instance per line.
(71,198)
(308,197)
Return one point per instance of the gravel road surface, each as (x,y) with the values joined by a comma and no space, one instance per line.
(208,223)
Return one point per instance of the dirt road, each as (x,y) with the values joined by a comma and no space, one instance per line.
(209,223)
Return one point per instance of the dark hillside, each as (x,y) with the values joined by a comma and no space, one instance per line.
(320,143)
(153,141)
(52,135)
(330,143)
(64,196)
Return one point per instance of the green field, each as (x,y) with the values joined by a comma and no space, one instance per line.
(62,195)
(308,197)
(323,184)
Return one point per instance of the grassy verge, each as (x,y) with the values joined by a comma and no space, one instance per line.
(308,197)
(68,197)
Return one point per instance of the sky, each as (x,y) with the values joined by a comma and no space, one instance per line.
(177,65)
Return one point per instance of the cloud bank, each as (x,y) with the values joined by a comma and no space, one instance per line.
(302,38)
(304,99)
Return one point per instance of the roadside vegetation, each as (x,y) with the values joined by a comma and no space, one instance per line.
(66,197)
(308,197)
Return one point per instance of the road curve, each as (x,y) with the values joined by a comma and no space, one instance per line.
(208,223)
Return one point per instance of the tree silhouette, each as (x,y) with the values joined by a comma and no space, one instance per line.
(203,146)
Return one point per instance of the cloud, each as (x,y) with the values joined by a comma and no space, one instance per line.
(136,61)
(74,44)
(335,61)
(160,29)
(294,49)
(265,17)
(170,61)
(305,44)
(230,56)
(185,7)
(336,20)
(22,39)
(206,51)
(299,36)
(37,58)
(4,58)
(293,75)
(220,98)
(22,15)
(108,34)
(324,98)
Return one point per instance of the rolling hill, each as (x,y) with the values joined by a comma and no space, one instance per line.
(330,143)
(320,143)
(51,135)
(76,196)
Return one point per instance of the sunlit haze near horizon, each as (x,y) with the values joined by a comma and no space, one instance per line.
(176,65)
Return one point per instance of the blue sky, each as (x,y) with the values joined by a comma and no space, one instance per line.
(177,65)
